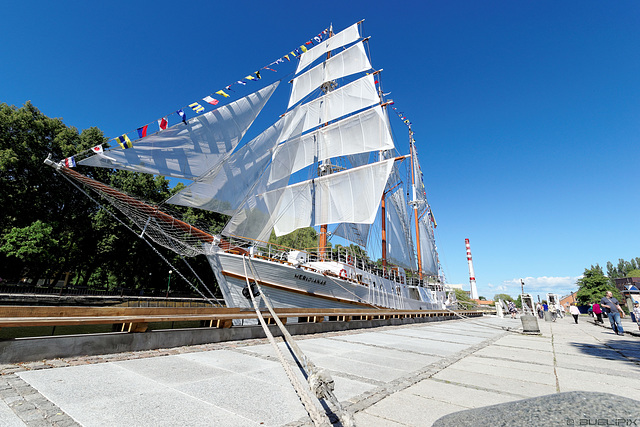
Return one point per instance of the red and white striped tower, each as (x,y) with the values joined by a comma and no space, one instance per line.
(472,275)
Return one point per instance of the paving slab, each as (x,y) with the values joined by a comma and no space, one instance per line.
(450,393)
(401,343)
(539,356)
(495,382)
(507,372)
(416,410)
(527,369)
(108,395)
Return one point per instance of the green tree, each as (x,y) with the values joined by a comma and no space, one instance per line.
(633,273)
(49,227)
(519,301)
(463,298)
(594,285)
(481,298)
(503,297)
(303,238)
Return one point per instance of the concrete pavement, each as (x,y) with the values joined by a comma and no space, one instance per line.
(407,375)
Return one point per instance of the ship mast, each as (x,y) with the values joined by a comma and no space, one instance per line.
(414,202)
(325,168)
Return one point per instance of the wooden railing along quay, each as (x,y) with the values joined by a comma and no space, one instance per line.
(137,319)
(30,333)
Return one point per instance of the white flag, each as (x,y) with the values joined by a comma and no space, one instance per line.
(97,149)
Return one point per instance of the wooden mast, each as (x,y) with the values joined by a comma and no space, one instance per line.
(415,205)
(322,240)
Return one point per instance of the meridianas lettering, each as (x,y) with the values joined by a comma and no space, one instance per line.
(310,279)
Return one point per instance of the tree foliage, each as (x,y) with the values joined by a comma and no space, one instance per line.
(594,285)
(48,227)
(503,297)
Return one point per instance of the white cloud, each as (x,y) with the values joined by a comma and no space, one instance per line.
(534,286)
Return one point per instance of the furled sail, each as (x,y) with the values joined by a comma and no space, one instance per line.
(348,196)
(188,151)
(350,61)
(360,133)
(343,38)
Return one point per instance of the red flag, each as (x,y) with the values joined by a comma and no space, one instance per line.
(162,123)
(210,100)
(142,132)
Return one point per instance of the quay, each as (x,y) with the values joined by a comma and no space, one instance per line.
(416,374)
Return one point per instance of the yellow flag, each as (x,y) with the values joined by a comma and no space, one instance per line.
(124,141)
(221,93)
(303,49)
(250,78)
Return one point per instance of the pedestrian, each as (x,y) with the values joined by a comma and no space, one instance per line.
(512,309)
(574,312)
(614,312)
(553,312)
(636,312)
(562,311)
(539,310)
(598,312)
(590,311)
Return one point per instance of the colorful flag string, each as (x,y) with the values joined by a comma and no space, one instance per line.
(141,132)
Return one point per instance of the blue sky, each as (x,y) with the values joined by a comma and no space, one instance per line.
(526,113)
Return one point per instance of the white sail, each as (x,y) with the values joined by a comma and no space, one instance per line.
(343,38)
(188,151)
(350,61)
(427,248)
(224,187)
(348,196)
(360,133)
(399,243)
(356,233)
(359,94)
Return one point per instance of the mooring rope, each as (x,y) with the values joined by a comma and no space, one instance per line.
(318,418)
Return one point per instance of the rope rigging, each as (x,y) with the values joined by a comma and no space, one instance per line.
(144,238)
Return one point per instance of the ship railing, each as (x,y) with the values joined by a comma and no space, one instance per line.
(339,254)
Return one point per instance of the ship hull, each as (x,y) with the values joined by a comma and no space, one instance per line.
(289,286)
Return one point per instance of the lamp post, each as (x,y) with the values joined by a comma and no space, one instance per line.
(169,283)
(522,295)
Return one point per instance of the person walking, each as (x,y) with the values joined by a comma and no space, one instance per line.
(539,309)
(636,312)
(512,309)
(574,312)
(598,312)
(614,312)
(561,311)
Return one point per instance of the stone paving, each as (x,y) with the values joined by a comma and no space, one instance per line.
(407,375)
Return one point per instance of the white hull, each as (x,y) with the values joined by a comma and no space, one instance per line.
(288,286)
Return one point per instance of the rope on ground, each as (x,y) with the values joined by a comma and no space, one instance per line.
(319,380)
(318,418)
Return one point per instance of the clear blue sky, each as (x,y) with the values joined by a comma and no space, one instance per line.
(526,113)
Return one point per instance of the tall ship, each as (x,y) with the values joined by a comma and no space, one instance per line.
(328,164)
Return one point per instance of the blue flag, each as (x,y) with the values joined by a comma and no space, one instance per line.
(183,116)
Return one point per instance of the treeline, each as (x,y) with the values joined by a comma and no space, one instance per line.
(49,228)
(594,283)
